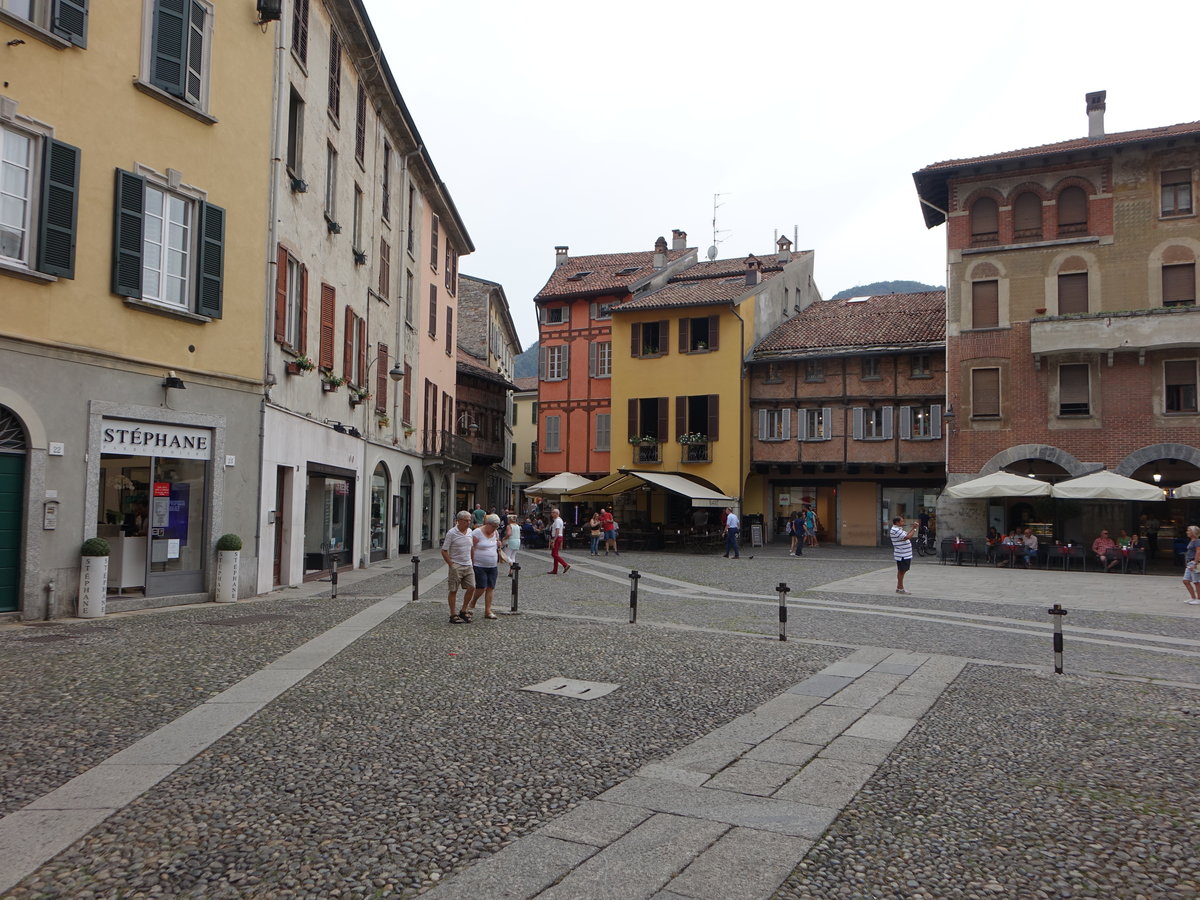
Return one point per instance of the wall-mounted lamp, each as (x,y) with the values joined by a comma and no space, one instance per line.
(269,11)
(1157,476)
(465,421)
(396,372)
(174,381)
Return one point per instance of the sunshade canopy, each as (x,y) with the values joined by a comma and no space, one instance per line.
(557,484)
(1190,491)
(619,482)
(999,484)
(1106,485)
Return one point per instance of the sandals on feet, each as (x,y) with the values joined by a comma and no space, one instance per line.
(490,616)
(465,616)
(457,620)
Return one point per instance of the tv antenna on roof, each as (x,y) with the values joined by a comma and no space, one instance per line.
(712,251)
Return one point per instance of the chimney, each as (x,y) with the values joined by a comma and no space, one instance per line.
(678,239)
(785,250)
(1095,111)
(560,257)
(660,253)
(753,270)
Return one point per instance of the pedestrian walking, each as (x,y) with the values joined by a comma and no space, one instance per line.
(512,543)
(795,530)
(810,526)
(1191,566)
(902,550)
(557,528)
(485,559)
(456,551)
(478,514)
(595,532)
(732,527)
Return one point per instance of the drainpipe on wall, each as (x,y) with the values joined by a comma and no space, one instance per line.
(742,401)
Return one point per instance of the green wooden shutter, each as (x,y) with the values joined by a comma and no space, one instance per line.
(69,21)
(127,234)
(167,69)
(60,208)
(194,49)
(212,261)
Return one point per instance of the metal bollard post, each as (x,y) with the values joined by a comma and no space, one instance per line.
(516,587)
(633,583)
(416,561)
(1057,612)
(784,590)
(333,577)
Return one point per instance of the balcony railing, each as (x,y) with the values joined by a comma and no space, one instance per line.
(447,445)
(529,468)
(649,453)
(693,453)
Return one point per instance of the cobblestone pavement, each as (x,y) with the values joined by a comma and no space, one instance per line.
(411,756)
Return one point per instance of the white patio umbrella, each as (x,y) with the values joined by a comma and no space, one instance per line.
(1190,491)
(999,484)
(562,483)
(1104,485)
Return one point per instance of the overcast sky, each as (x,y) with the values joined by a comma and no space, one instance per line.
(604,125)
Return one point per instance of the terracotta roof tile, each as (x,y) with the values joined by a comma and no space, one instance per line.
(707,283)
(526,383)
(888,320)
(604,272)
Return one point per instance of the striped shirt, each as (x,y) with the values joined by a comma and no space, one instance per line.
(901,545)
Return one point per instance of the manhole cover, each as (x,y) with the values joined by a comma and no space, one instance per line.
(570,687)
(47,639)
(248,620)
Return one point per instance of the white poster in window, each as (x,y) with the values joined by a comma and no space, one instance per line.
(173,548)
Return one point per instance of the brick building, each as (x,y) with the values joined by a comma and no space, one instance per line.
(1073,336)
(846,413)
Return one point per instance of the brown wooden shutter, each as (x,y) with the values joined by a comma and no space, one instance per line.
(433,310)
(684,327)
(385,268)
(360,376)
(1072,293)
(1179,284)
(664,337)
(348,345)
(985,218)
(303,324)
(714,416)
(381,379)
(406,409)
(662,418)
(433,243)
(1073,208)
(985,392)
(714,332)
(1073,389)
(360,124)
(634,431)
(335,74)
(1027,216)
(985,304)
(635,339)
(680,416)
(450,332)
(328,310)
(1179,371)
(281,261)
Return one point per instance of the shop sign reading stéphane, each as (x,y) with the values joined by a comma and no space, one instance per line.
(155,439)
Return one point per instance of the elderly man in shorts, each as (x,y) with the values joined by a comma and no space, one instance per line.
(456,551)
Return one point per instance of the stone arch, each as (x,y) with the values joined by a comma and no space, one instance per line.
(1028,187)
(1155,452)
(980,193)
(35,431)
(984,270)
(1060,458)
(1073,181)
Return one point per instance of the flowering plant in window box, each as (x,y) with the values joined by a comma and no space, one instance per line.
(331,383)
(409,431)
(384,420)
(358,395)
(643,439)
(693,437)
(300,365)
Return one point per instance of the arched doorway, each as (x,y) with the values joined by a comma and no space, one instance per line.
(427,512)
(13,452)
(380,484)
(404,513)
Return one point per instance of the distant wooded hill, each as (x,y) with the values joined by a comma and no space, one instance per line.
(526,364)
(885,287)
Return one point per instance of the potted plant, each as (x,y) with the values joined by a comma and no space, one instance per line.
(93,578)
(300,365)
(643,439)
(384,420)
(409,431)
(330,383)
(229,555)
(358,395)
(693,437)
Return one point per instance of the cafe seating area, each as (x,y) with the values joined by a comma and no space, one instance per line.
(1066,557)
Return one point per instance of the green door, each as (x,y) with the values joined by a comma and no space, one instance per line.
(12,491)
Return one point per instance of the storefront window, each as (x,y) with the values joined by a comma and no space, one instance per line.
(427,512)
(379,513)
(328,522)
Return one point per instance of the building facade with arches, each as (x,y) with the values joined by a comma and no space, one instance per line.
(1073,334)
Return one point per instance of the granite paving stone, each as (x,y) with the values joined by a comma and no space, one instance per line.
(910,706)
(866,691)
(821,724)
(777,750)
(827,782)
(595,823)
(518,872)
(760,859)
(858,749)
(881,728)
(923,685)
(844,669)
(665,772)
(752,776)
(822,685)
(708,755)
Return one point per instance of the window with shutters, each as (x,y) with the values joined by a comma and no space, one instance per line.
(410,299)
(985,304)
(1072,293)
(449,330)
(814,424)
(699,335)
(412,222)
(774,374)
(433,243)
(1177,192)
(291,290)
(551,443)
(356,229)
(773,424)
(602,311)
(381,378)
(921,366)
(64,19)
(1179,380)
(354,353)
(295,136)
(556,363)
(335,75)
(385,198)
(169,246)
(985,221)
(360,125)
(870,368)
(1027,217)
(433,311)
(300,30)
(872,423)
(921,423)
(1074,394)
(985,393)
(39,188)
(697,424)
(1072,211)
(328,327)
(179,51)
(648,427)
(1179,285)
(814,370)
(603,359)
(650,338)
(603,431)
(331,167)
(406,403)
(451,269)
(555,315)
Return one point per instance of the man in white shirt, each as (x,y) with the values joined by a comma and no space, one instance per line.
(732,527)
(557,529)
(901,550)
(457,551)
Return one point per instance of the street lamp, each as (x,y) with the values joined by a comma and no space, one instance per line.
(466,423)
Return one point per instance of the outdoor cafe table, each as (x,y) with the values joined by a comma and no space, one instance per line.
(1064,553)
(958,547)
(1012,552)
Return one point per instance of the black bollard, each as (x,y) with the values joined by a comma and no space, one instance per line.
(416,561)
(633,583)
(516,587)
(333,578)
(1057,613)
(784,590)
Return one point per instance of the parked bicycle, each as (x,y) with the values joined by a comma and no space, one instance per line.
(925,543)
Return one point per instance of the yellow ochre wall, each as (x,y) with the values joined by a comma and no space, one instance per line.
(88,97)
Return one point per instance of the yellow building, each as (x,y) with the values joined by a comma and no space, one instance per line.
(679,392)
(133,266)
